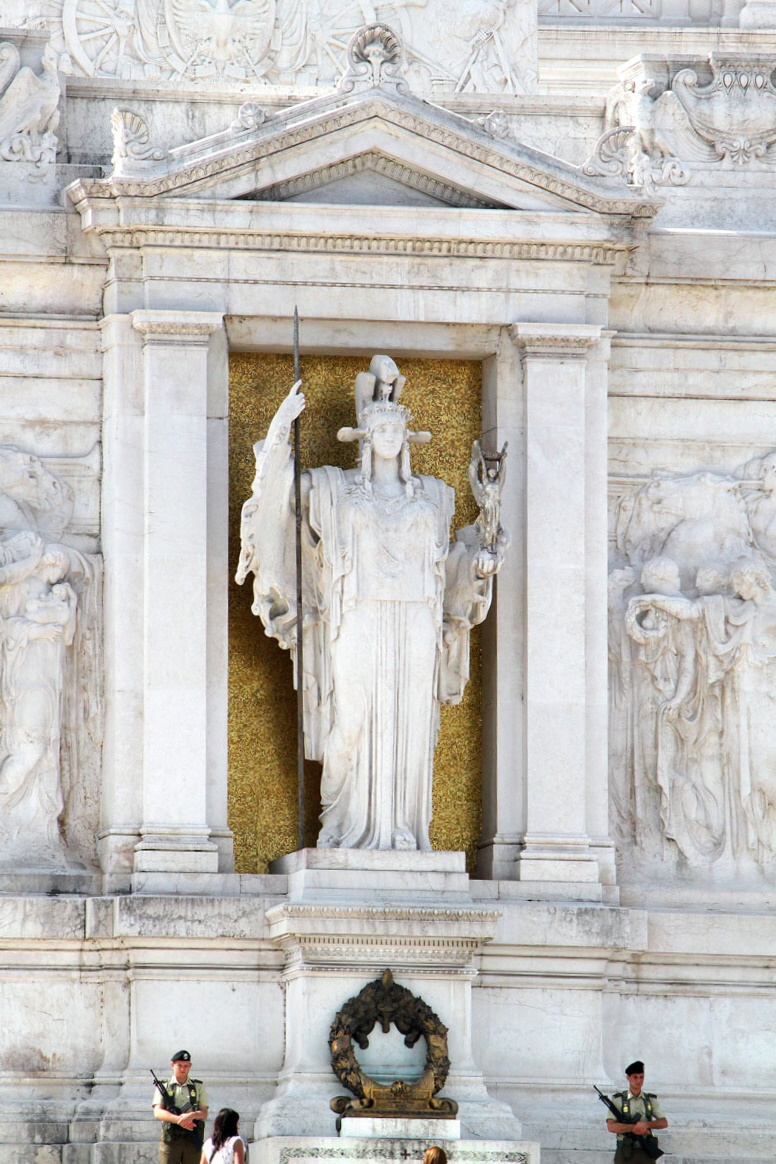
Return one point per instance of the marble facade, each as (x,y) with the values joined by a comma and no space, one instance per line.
(581,199)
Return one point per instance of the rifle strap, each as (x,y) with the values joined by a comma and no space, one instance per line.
(625,1106)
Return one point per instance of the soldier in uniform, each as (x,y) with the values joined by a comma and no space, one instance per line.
(183,1134)
(635,1101)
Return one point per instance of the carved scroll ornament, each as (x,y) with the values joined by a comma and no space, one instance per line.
(736,111)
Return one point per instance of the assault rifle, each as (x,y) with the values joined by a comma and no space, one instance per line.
(166,1097)
(647,1143)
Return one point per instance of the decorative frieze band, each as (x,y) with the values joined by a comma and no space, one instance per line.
(386,912)
(149,236)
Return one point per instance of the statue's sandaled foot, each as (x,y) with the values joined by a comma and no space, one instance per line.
(403,839)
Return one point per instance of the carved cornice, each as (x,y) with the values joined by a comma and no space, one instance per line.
(277,135)
(556,341)
(384,912)
(371,162)
(134,238)
(315,935)
(187,328)
(378,952)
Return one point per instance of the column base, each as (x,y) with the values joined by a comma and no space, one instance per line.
(496,858)
(546,861)
(176,851)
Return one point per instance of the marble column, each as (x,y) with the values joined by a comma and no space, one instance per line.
(563,527)
(175,834)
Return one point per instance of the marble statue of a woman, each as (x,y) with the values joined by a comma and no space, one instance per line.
(388,605)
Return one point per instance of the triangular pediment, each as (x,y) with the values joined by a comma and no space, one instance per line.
(370,179)
(370,147)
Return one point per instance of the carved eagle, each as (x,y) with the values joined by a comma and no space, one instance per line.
(217,31)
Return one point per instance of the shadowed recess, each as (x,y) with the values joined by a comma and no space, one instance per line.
(443,396)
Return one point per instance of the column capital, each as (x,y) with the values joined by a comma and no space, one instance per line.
(557,341)
(187,328)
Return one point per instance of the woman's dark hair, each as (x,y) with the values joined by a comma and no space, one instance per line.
(224,1127)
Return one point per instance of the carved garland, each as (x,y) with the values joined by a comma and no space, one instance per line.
(385,1002)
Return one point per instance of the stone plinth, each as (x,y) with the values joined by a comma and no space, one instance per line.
(374,875)
(303,1150)
(399,1129)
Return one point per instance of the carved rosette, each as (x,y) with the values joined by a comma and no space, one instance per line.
(385,1002)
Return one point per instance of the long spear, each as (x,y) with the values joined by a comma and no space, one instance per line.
(299,606)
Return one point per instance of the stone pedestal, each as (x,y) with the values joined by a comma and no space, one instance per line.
(350,915)
(398,1129)
(299,1150)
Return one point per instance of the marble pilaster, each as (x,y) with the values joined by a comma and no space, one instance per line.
(175,832)
(561,537)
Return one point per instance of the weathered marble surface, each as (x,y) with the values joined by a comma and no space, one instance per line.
(114,327)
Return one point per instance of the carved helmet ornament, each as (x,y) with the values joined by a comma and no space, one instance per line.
(385,1002)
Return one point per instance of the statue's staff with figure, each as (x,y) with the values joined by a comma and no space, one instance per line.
(299,603)
(388,603)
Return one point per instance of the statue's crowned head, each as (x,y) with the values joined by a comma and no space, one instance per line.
(377,396)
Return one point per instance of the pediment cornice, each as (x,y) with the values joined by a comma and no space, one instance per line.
(287,147)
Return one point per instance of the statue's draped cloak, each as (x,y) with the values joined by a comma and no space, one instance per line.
(388,604)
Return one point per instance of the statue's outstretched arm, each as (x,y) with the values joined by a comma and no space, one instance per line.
(272,498)
(267,527)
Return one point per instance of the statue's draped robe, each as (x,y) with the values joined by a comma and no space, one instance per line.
(388,604)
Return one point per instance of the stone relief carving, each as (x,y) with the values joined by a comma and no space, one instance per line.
(250,116)
(49,695)
(736,111)
(643,129)
(692,648)
(466,45)
(656,128)
(131,142)
(374,61)
(602,11)
(388,605)
(29,113)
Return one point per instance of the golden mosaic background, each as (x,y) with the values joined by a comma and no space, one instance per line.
(444,396)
